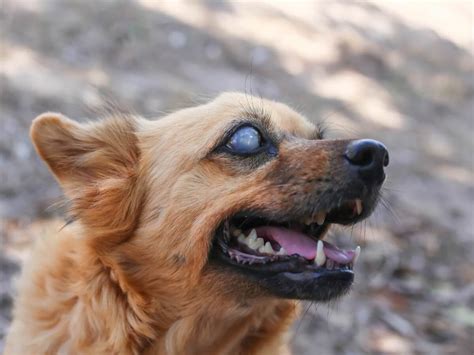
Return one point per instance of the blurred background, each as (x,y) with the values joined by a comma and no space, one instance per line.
(399,72)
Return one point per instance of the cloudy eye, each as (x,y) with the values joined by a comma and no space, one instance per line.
(245,140)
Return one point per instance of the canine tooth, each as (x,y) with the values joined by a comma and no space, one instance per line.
(268,248)
(242,239)
(358,203)
(356,255)
(252,235)
(320,258)
(282,251)
(320,217)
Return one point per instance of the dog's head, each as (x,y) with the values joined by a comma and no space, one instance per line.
(233,197)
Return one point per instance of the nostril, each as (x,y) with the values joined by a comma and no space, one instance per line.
(364,157)
(367,153)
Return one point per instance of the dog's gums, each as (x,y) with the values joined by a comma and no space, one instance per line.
(194,233)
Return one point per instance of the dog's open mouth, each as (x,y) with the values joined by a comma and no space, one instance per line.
(257,241)
(264,248)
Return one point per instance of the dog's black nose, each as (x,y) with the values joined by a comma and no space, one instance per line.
(369,157)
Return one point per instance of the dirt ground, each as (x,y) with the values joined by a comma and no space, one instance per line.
(399,72)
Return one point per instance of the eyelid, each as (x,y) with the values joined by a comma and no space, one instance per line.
(246,123)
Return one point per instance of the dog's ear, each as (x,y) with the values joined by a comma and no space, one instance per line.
(96,164)
(81,153)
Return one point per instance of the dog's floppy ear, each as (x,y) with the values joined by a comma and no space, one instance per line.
(96,164)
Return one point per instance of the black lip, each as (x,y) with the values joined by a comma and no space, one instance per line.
(293,279)
(315,286)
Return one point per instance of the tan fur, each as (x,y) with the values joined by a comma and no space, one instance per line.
(131,274)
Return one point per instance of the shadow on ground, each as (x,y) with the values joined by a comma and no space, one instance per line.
(359,67)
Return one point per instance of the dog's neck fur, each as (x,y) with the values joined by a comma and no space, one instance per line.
(137,324)
(230,324)
(256,329)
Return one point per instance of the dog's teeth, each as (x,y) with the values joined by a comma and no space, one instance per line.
(358,203)
(356,255)
(320,258)
(282,251)
(256,244)
(268,248)
(320,218)
(242,239)
(252,235)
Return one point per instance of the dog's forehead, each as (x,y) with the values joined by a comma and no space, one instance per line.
(201,127)
(288,120)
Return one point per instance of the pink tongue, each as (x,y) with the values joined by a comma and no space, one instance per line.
(299,243)
(334,253)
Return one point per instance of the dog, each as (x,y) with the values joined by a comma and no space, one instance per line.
(192,234)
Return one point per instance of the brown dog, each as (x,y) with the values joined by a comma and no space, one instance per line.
(192,234)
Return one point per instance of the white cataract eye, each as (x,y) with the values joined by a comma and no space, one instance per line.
(245,140)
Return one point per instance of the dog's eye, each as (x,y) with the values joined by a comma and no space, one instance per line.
(245,140)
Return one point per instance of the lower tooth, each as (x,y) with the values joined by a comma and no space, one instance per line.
(252,235)
(242,239)
(267,249)
(255,244)
(320,258)
(282,251)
